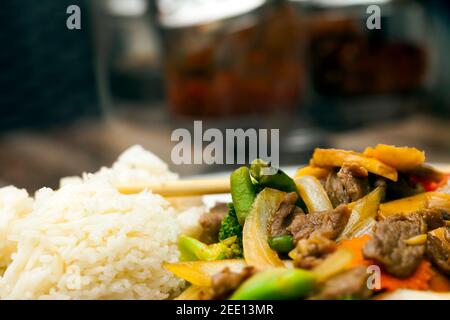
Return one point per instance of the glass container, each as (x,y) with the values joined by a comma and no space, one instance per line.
(359,73)
(231,58)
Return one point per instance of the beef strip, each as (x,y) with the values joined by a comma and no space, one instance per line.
(438,248)
(284,215)
(335,189)
(388,246)
(355,181)
(347,284)
(314,234)
(224,283)
(310,252)
(349,184)
(328,224)
(211,221)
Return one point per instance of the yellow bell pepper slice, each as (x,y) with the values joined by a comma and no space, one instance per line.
(257,251)
(313,194)
(400,158)
(414,203)
(199,273)
(319,173)
(404,205)
(336,158)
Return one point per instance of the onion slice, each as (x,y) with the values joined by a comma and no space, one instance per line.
(257,251)
(363,215)
(313,194)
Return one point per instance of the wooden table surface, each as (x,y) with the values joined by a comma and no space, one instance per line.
(36,159)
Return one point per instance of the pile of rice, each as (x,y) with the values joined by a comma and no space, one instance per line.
(88,241)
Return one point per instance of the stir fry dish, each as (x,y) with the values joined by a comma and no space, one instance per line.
(370,225)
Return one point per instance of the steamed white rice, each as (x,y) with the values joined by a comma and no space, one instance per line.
(88,241)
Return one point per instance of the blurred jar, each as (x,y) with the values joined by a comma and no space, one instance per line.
(365,75)
(231,57)
(128,52)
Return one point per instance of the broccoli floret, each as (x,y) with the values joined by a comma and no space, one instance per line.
(230,227)
(229,247)
(192,249)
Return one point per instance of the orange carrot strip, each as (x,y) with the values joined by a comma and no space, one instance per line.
(420,280)
(356,245)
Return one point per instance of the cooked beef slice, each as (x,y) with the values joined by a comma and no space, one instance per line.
(224,283)
(388,246)
(355,181)
(349,184)
(349,284)
(210,222)
(328,224)
(310,252)
(438,249)
(335,189)
(314,234)
(284,215)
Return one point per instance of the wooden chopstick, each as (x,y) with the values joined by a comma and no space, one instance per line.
(180,188)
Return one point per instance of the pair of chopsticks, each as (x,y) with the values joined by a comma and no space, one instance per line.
(181,188)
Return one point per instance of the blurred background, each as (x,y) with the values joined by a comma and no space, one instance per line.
(72,100)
